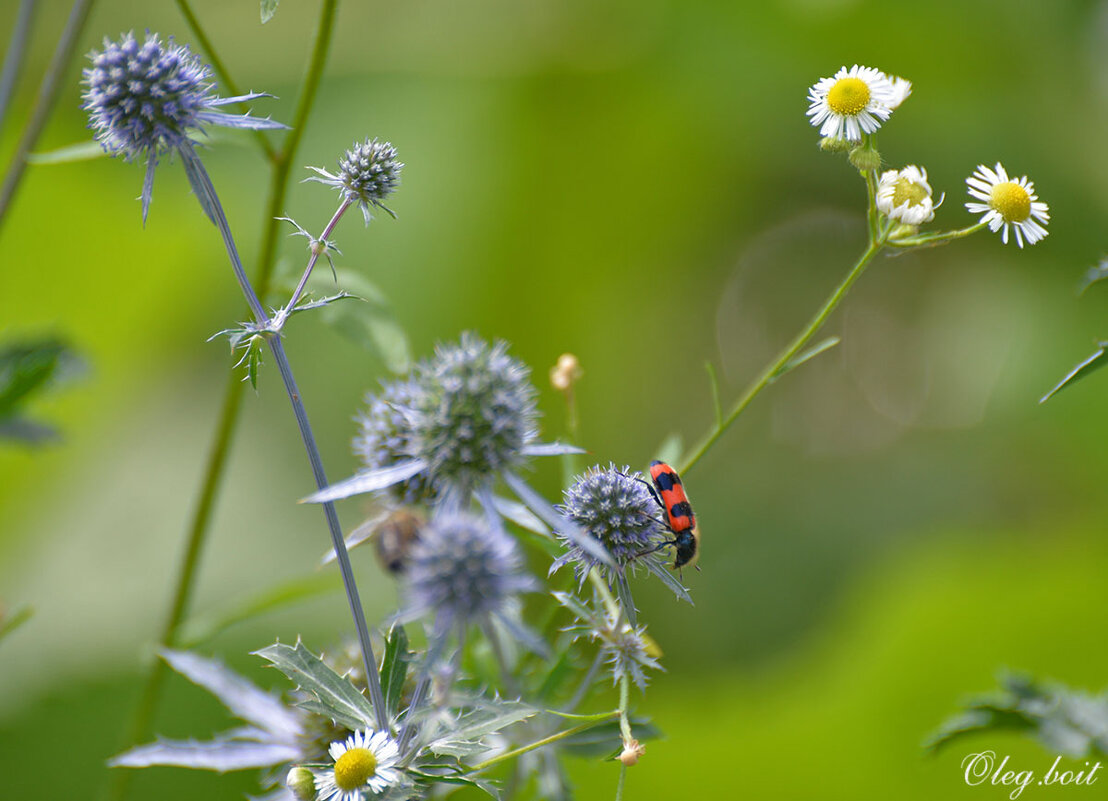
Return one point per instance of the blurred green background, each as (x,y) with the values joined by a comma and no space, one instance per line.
(633,181)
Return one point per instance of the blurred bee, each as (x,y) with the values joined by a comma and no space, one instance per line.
(393,534)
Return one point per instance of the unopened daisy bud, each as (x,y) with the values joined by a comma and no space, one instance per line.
(301,783)
(475,413)
(865,158)
(832,144)
(903,232)
(905,196)
(632,750)
(463,570)
(854,102)
(565,373)
(1008,203)
(615,507)
(368,173)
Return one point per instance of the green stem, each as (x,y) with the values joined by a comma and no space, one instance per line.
(553,738)
(933,240)
(17,50)
(44,103)
(794,347)
(619,784)
(601,588)
(221,70)
(624,705)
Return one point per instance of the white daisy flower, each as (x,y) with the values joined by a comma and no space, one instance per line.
(365,761)
(855,102)
(901,89)
(905,196)
(1008,203)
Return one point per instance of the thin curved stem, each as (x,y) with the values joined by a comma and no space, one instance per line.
(767,375)
(553,738)
(13,61)
(44,103)
(317,248)
(221,70)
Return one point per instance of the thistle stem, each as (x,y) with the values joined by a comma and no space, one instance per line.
(232,400)
(277,348)
(317,247)
(44,103)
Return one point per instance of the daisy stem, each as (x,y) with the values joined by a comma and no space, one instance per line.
(933,240)
(44,102)
(553,738)
(871,207)
(619,784)
(768,375)
(318,247)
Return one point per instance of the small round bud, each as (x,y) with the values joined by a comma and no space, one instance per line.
(632,750)
(301,783)
(565,373)
(832,144)
(865,158)
(368,173)
(904,231)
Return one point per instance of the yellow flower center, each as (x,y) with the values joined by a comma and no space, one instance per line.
(1012,201)
(848,96)
(353,768)
(905,190)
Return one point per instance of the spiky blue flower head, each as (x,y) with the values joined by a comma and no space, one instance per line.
(614,507)
(475,413)
(144,100)
(368,173)
(464,570)
(386,436)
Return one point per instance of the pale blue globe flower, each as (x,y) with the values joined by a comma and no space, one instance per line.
(463,420)
(145,99)
(368,173)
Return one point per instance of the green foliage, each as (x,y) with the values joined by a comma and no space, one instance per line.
(269,8)
(372,325)
(11,620)
(334,697)
(394,667)
(27,370)
(1082,370)
(1063,720)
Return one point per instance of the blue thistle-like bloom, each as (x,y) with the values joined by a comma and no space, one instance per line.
(464,570)
(475,415)
(368,173)
(614,507)
(144,100)
(386,437)
(463,420)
